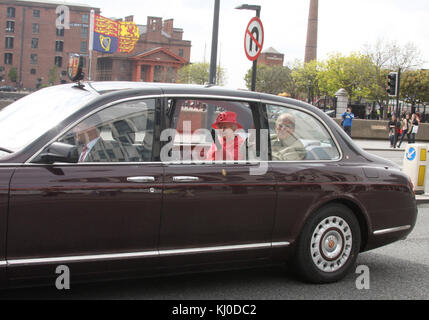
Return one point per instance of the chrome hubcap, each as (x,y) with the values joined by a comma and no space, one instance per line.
(331,244)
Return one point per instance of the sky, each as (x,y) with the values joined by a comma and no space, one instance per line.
(344,26)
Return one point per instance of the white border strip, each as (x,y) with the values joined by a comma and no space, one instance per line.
(18,262)
(390,230)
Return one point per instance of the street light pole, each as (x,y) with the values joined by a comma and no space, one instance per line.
(255,63)
(213,60)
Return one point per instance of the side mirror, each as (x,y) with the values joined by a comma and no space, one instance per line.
(59,152)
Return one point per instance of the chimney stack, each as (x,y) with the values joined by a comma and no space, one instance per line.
(311,46)
(168,27)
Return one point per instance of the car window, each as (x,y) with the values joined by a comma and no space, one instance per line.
(28,118)
(201,128)
(121,133)
(298,136)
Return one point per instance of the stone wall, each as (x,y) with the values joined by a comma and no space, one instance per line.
(12,95)
(378,129)
(6,98)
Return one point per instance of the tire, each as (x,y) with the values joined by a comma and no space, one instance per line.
(328,245)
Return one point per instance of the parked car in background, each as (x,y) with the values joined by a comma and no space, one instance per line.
(89,179)
(8,89)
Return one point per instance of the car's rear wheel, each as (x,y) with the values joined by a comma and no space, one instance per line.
(328,245)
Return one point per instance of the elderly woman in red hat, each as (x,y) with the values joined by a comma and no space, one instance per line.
(230,143)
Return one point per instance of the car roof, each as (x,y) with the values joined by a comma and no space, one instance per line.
(111,90)
(105,87)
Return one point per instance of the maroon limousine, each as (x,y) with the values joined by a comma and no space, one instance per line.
(117,179)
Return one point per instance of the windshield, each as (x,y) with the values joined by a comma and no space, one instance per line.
(30,117)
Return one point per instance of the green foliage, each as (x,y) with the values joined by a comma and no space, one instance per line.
(198,73)
(13,74)
(306,76)
(53,75)
(355,73)
(415,86)
(363,76)
(272,80)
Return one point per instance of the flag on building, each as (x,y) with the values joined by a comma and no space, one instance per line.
(114,36)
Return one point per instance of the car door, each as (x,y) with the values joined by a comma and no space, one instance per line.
(217,211)
(98,215)
(5,175)
(305,159)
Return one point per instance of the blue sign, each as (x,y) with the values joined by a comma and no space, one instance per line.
(411,154)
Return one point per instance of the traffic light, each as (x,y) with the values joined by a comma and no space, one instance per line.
(392,84)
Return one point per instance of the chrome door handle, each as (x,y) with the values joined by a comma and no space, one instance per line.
(185,179)
(141,179)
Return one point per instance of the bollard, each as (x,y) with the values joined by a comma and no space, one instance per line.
(415,162)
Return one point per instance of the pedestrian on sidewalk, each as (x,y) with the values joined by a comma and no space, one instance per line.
(348,117)
(394,126)
(406,129)
(414,127)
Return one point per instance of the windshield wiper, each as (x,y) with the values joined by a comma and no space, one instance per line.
(6,150)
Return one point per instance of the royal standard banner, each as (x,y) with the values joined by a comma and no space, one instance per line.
(128,36)
(114,36)
(106,32)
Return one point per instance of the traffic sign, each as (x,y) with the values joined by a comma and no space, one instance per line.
(254,39)
(411,154)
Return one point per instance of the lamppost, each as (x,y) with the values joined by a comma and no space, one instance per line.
(310,87)
(256,8)
(213,60)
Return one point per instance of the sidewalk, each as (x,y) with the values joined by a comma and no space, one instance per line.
(382,145)
(422,199)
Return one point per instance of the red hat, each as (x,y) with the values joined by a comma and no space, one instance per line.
(226,117)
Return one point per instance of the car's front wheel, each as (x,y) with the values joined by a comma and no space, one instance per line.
(328,245)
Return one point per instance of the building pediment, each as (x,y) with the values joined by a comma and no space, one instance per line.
(158,54)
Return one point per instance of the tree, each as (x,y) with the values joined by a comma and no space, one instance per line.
(355,73)
(13,74)
(198,73)
(270,79)
(53,75)
(306,78)
(415,87)
(389,56)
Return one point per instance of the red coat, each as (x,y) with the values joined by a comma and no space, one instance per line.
(229,152)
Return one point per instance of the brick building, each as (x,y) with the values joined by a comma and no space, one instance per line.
(271,57)
(157,56)
(31,43)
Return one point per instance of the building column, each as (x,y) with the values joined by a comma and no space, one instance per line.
(137,72)
(174,71)
(342,102)
(164,74)
(151,73)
